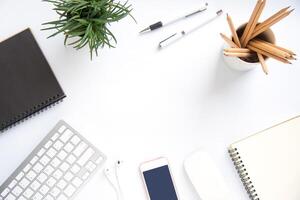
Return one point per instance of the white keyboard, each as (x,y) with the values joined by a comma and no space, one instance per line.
(56,169)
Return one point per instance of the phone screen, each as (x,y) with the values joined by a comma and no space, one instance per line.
(159,184)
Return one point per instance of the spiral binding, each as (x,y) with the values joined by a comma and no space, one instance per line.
(35,110)
(242,171)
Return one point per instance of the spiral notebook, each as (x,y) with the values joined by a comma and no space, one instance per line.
(269,162)
(27,83)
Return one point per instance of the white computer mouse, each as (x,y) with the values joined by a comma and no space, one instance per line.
(206,177)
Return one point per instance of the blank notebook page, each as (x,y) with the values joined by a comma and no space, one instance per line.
(271,161)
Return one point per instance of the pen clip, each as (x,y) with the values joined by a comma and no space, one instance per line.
(197,11)
(161,42)
(173,38)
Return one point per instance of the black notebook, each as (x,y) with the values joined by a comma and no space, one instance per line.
(27,83)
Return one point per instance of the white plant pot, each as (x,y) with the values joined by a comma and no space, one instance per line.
(238,64)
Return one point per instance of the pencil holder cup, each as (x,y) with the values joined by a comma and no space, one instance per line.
(247,64)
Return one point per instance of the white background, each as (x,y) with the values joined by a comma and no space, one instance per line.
(137,103)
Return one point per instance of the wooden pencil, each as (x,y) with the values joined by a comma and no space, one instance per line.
(237,50)
(267,54)
(229,41)
(270,49)
(254,23)
(270,19)
(241,55)
(274,48)
(233,31)
(247,28)
(267,26)
(278,47)
(263,63)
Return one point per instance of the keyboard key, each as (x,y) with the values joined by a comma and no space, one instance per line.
(57,174)
(12,184)
(44,189)
(35,185)
(75,139)
(62,155)
(19,176)
(38,168)
(55,136)
(85,175)
(51,152)
(48,144)
(28,193)
(64,167)
(58,145)
(55,162)
(41,152)
(75,169)
(27,168)
(51,182)
(31,175)
(10,197)
(69,147)
(5,192)
(24,183)
(99,160)
(71,159)
(37,196)
(45,160)
(68,176)
(69,191)
(62,184)
(77,181)
(80,148)
(33,160)
(62,129)
(62,197)
(90,166)
(48,197)
(22,198)
(54,192)
(48,170)
(66,135)
(42,178)
(17,191)
(86,156)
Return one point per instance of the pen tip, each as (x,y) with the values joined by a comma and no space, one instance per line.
(144,30)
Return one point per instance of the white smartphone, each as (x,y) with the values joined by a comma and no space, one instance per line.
(158,180)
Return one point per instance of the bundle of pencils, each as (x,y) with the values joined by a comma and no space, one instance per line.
(249,44)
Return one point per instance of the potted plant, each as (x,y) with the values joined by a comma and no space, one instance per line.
(86,22)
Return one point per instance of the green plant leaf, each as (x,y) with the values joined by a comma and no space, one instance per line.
(87,22)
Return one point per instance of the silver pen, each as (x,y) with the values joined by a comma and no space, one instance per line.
(176,36)
(160,24)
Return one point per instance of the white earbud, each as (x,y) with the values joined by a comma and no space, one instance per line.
(112,175)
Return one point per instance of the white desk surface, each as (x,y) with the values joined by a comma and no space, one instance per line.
(137,103)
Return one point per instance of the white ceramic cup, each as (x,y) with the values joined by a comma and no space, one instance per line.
(245,65)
